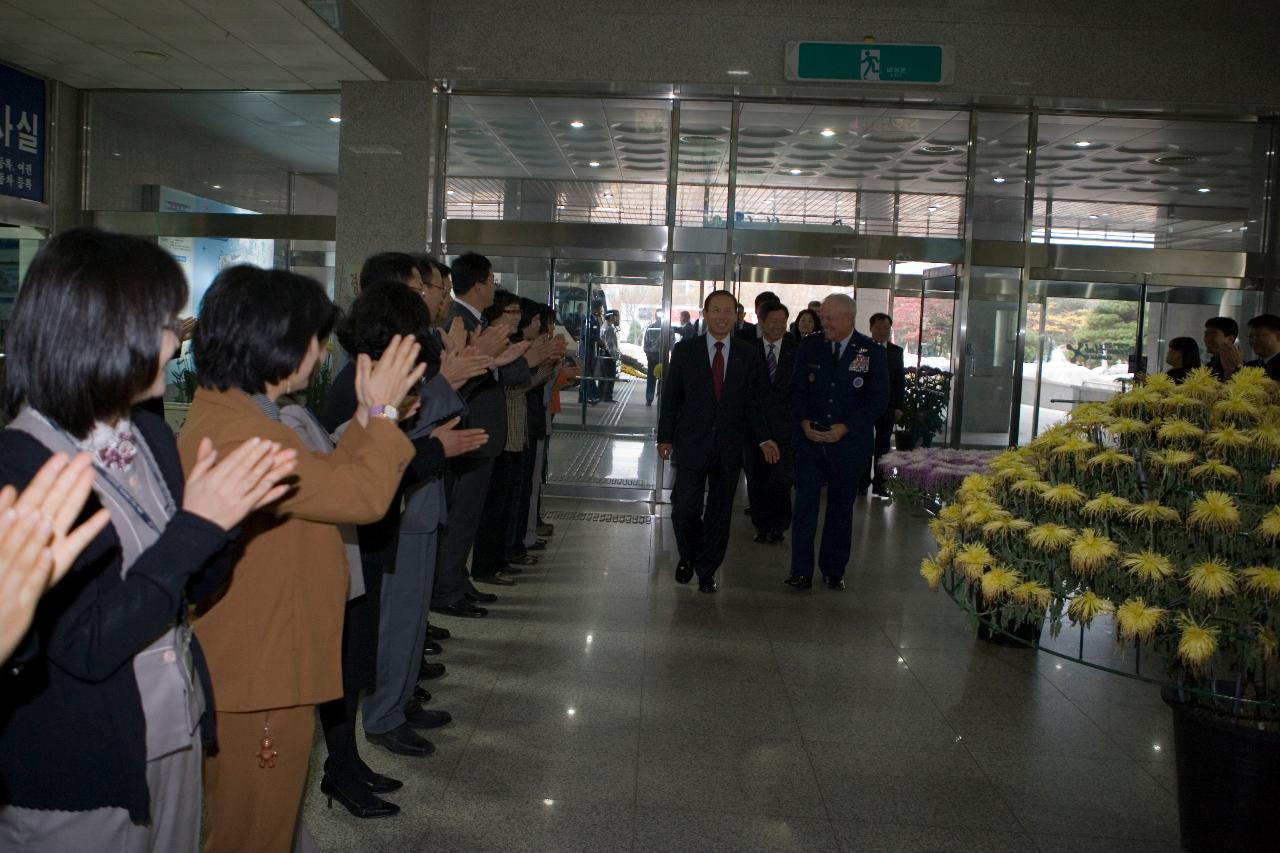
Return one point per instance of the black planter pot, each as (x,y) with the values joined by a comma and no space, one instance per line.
(904,441)
(1228,781)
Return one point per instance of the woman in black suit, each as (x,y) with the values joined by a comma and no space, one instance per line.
(105,704)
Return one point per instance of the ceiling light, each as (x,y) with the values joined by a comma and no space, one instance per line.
(933,207)
(449,192)
(548,802)
(216,186)
(1083,143)
(795,171)
(151,56)
(1093,216)
(1202,190)
(738,72)
(595,164)
(998,180)
(608,195)
(559,207)
(577,123)
(571,712)
(826,131)
(938,149)
(336,119)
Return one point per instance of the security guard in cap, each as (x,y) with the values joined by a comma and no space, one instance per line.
(839,388)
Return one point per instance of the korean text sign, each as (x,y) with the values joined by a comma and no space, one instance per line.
(22,134)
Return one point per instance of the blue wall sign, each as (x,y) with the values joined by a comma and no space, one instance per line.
(22,134)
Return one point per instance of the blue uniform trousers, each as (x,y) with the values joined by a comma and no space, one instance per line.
(838,466)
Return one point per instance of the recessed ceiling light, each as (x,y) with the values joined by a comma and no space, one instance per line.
(795,171)
(826,131)
(151,56)
(577,123)
(559,207)
(933,207)
(738,72)
(217,186)
(1202,190)
(608,195)
(998,180)
(336,119)
(939,149)
(449,192)
(595,164)
(1093,216)
(1083,143)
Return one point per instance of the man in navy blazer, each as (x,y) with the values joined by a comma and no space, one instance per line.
(711,403)
(839,389)
(769,486)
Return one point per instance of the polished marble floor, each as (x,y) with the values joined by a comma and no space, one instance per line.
(602,707)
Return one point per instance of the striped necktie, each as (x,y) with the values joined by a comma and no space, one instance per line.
(772,360)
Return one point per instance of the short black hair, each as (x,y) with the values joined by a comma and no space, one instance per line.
(1270,322)
(713,294)
(877,317)
(771,307)
(469,269)
(425,264)
(530,310)
(1190,351)
(255,327)
(383,310)
(765,296)
(1225,325)
(85,335)
(387,266)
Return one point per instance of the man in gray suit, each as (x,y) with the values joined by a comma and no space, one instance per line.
(467,479)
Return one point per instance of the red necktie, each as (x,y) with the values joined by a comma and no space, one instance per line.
(717,369)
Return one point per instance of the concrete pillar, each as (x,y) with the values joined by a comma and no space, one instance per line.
(384,174)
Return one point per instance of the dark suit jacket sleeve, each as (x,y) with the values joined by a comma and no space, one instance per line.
(515,373)
(673,392)
(340,405)
(897,381)
(758,395)
(800,383)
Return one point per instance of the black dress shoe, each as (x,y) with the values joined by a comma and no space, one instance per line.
(402,740)
(430,671)
(707,586)
(493,580)
(438,633)
(540,545)
(800,581)
(524,560)
(421,695)
(420,718)
(760,537)
(379,784)
(360,802)
(777,537)
(480,597)
(431,648)
(684,572)
(508,569)
(834,583)
(463,608)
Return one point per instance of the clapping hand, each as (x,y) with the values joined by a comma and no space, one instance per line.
(456,442)
(37,543)
(493,340)
(455,339)
(457,366)
(387,381)
(511,353)
(247,479)
(1230,358)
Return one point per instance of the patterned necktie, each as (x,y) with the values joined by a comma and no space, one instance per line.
(717,369)
(772,361)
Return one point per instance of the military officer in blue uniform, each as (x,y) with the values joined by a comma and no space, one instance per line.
(839,388)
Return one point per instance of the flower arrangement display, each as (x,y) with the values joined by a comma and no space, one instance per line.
(1159,509)
(926,394)
(932,474)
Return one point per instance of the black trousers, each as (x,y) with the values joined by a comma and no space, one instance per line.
(608,370)
(490,551)
(701,510)
(519,521)
(467,481)
(769,489)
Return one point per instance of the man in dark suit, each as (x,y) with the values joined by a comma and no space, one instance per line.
(839,390)
(769,485)
(1264,340)
(710,404)
(1220,334)
(751,331)
(467,478)
(881,326)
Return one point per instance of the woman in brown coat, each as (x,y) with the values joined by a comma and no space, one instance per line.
(273,638)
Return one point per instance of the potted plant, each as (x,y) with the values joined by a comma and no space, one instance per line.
(1156,514)
(926,394)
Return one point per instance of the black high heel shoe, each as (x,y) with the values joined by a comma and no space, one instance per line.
(379,784)
(367,807)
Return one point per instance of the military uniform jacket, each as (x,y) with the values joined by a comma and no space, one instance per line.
(854,392)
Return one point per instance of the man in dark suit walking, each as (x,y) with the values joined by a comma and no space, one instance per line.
(710,404)
(1264,340)
(839,390)
(881,326)
(769,485)
(751,331)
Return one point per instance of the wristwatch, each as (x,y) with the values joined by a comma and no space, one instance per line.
(388,412)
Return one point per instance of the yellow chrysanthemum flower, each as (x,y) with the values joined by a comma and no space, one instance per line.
(1202,384)
(942,530)
(953,513)
(1091,550)
(1263,581)
(1179,430)
(931,572)
(1161,382)
(1084,608)
(1152,512)
(1267,641)
(1050,537)
(1197,643)
(1266,438)
(1005,526)
(976,485)
(980,514)
(1148,565)
(1028,487)
(1139,398)
(1268,529)
(1180,402)
(1032,592)
(1211,579)
(1171,458)
(972,559)
(945,555)
(1136,620)
(1109,459)
(1250,382)
(1228,438)
(1128,426)
(1091,415)
(1106,505)
(1272,480)
(1214,469)
(997,582)
(1214,511)
(1012,457)
(1236,409)
(1062,495)
(1075,447)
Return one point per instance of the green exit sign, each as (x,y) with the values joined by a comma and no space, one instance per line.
(869,62)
